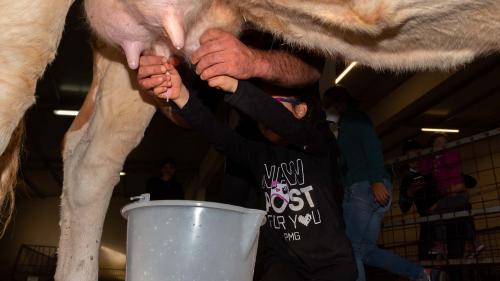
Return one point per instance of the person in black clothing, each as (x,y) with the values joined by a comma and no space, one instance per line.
(303,237)
(165,187)
(420,190)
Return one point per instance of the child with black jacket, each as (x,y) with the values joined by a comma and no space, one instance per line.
(303,238)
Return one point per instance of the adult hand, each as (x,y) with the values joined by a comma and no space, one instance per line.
(152,70)
(221,53)
(380,193)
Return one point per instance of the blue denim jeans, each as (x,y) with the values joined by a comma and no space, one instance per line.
(363,217)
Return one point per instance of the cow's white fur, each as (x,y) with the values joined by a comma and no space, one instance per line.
(30,34)
(385,34)
(31,31)
(389,34)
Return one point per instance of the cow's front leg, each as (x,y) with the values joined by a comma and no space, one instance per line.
(94,153)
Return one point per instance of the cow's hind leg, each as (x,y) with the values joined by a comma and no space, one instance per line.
(94,153)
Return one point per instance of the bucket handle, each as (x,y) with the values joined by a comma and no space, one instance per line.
(145,197)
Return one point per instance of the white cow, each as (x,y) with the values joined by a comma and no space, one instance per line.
(384,34)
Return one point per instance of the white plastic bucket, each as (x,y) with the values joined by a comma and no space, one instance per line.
(177,240)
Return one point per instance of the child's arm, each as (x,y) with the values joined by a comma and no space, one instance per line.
(176,91)
(221,136)
(263,108)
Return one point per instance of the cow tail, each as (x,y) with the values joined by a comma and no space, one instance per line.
(9,165)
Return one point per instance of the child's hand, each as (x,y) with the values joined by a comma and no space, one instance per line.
(151,72)
(175,89)
(225,83)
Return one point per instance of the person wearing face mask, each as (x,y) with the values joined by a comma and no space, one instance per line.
(367,188)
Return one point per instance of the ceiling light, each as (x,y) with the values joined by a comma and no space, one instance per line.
(75,88)
(63,112)
(122,173)
(344,73)
(440,130)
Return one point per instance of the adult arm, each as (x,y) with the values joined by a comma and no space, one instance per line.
(221,53)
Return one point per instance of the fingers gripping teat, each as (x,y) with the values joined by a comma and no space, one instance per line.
(173,25)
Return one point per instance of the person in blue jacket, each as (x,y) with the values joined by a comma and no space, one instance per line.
(367,188)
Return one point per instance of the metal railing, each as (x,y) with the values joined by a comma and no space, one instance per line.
(479,158)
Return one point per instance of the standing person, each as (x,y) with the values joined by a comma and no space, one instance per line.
(166,186)
(445,168)
(420,190)
(304,237)
(368,189)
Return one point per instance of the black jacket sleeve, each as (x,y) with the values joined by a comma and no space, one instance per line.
(264,109)
(405,201)
(221,136)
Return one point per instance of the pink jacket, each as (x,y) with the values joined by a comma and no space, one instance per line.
(445,168)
